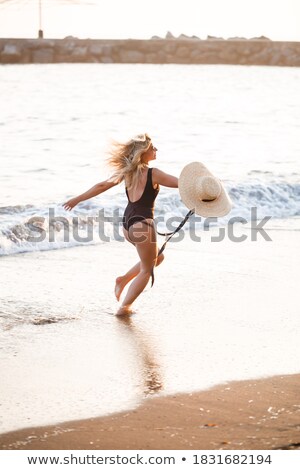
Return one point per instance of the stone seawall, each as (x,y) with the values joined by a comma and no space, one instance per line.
(153,51)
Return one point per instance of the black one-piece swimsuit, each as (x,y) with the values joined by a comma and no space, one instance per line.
(143,208)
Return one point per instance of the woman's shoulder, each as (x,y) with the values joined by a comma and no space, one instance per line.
(154,173)
(160,177)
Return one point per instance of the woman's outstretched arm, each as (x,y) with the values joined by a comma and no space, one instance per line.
(160,177)
(94,191)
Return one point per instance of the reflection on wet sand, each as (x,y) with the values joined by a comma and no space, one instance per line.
(150,370)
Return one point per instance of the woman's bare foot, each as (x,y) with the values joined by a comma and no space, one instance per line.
(120,284)
(126,310)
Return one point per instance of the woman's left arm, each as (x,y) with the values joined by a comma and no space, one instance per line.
(160,177)
(94,191)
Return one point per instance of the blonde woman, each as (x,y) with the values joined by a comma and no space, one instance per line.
(130,164)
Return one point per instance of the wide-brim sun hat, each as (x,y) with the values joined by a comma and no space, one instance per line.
(202,192)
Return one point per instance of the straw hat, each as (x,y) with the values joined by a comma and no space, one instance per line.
(203,192)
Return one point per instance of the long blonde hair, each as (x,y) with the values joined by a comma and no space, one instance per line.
(126,159)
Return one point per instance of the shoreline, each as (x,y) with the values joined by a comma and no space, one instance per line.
(251,414)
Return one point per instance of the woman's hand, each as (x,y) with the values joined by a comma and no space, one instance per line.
(71,203)
(94,191)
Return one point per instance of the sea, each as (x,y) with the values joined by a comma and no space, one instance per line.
(57,122)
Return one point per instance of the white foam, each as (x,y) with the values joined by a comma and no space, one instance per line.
(278,200)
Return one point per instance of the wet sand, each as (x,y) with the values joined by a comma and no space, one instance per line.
(253,414)
(218,313)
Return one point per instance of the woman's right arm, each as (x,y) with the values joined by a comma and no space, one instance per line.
(94,191)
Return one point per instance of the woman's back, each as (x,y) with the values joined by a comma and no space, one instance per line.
(134,194)
(144,191)
(143,207)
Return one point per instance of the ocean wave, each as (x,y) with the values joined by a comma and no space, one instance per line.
(15,209)
(26,228)
(278,199)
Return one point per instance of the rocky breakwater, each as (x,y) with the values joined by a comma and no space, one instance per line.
(183,50)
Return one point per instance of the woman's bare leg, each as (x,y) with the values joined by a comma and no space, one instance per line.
(147,250)
(122,281)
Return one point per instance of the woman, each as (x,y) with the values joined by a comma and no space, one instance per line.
(130,163)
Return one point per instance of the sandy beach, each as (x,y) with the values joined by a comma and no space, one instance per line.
(222,319)
(219,313)
(255,414)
